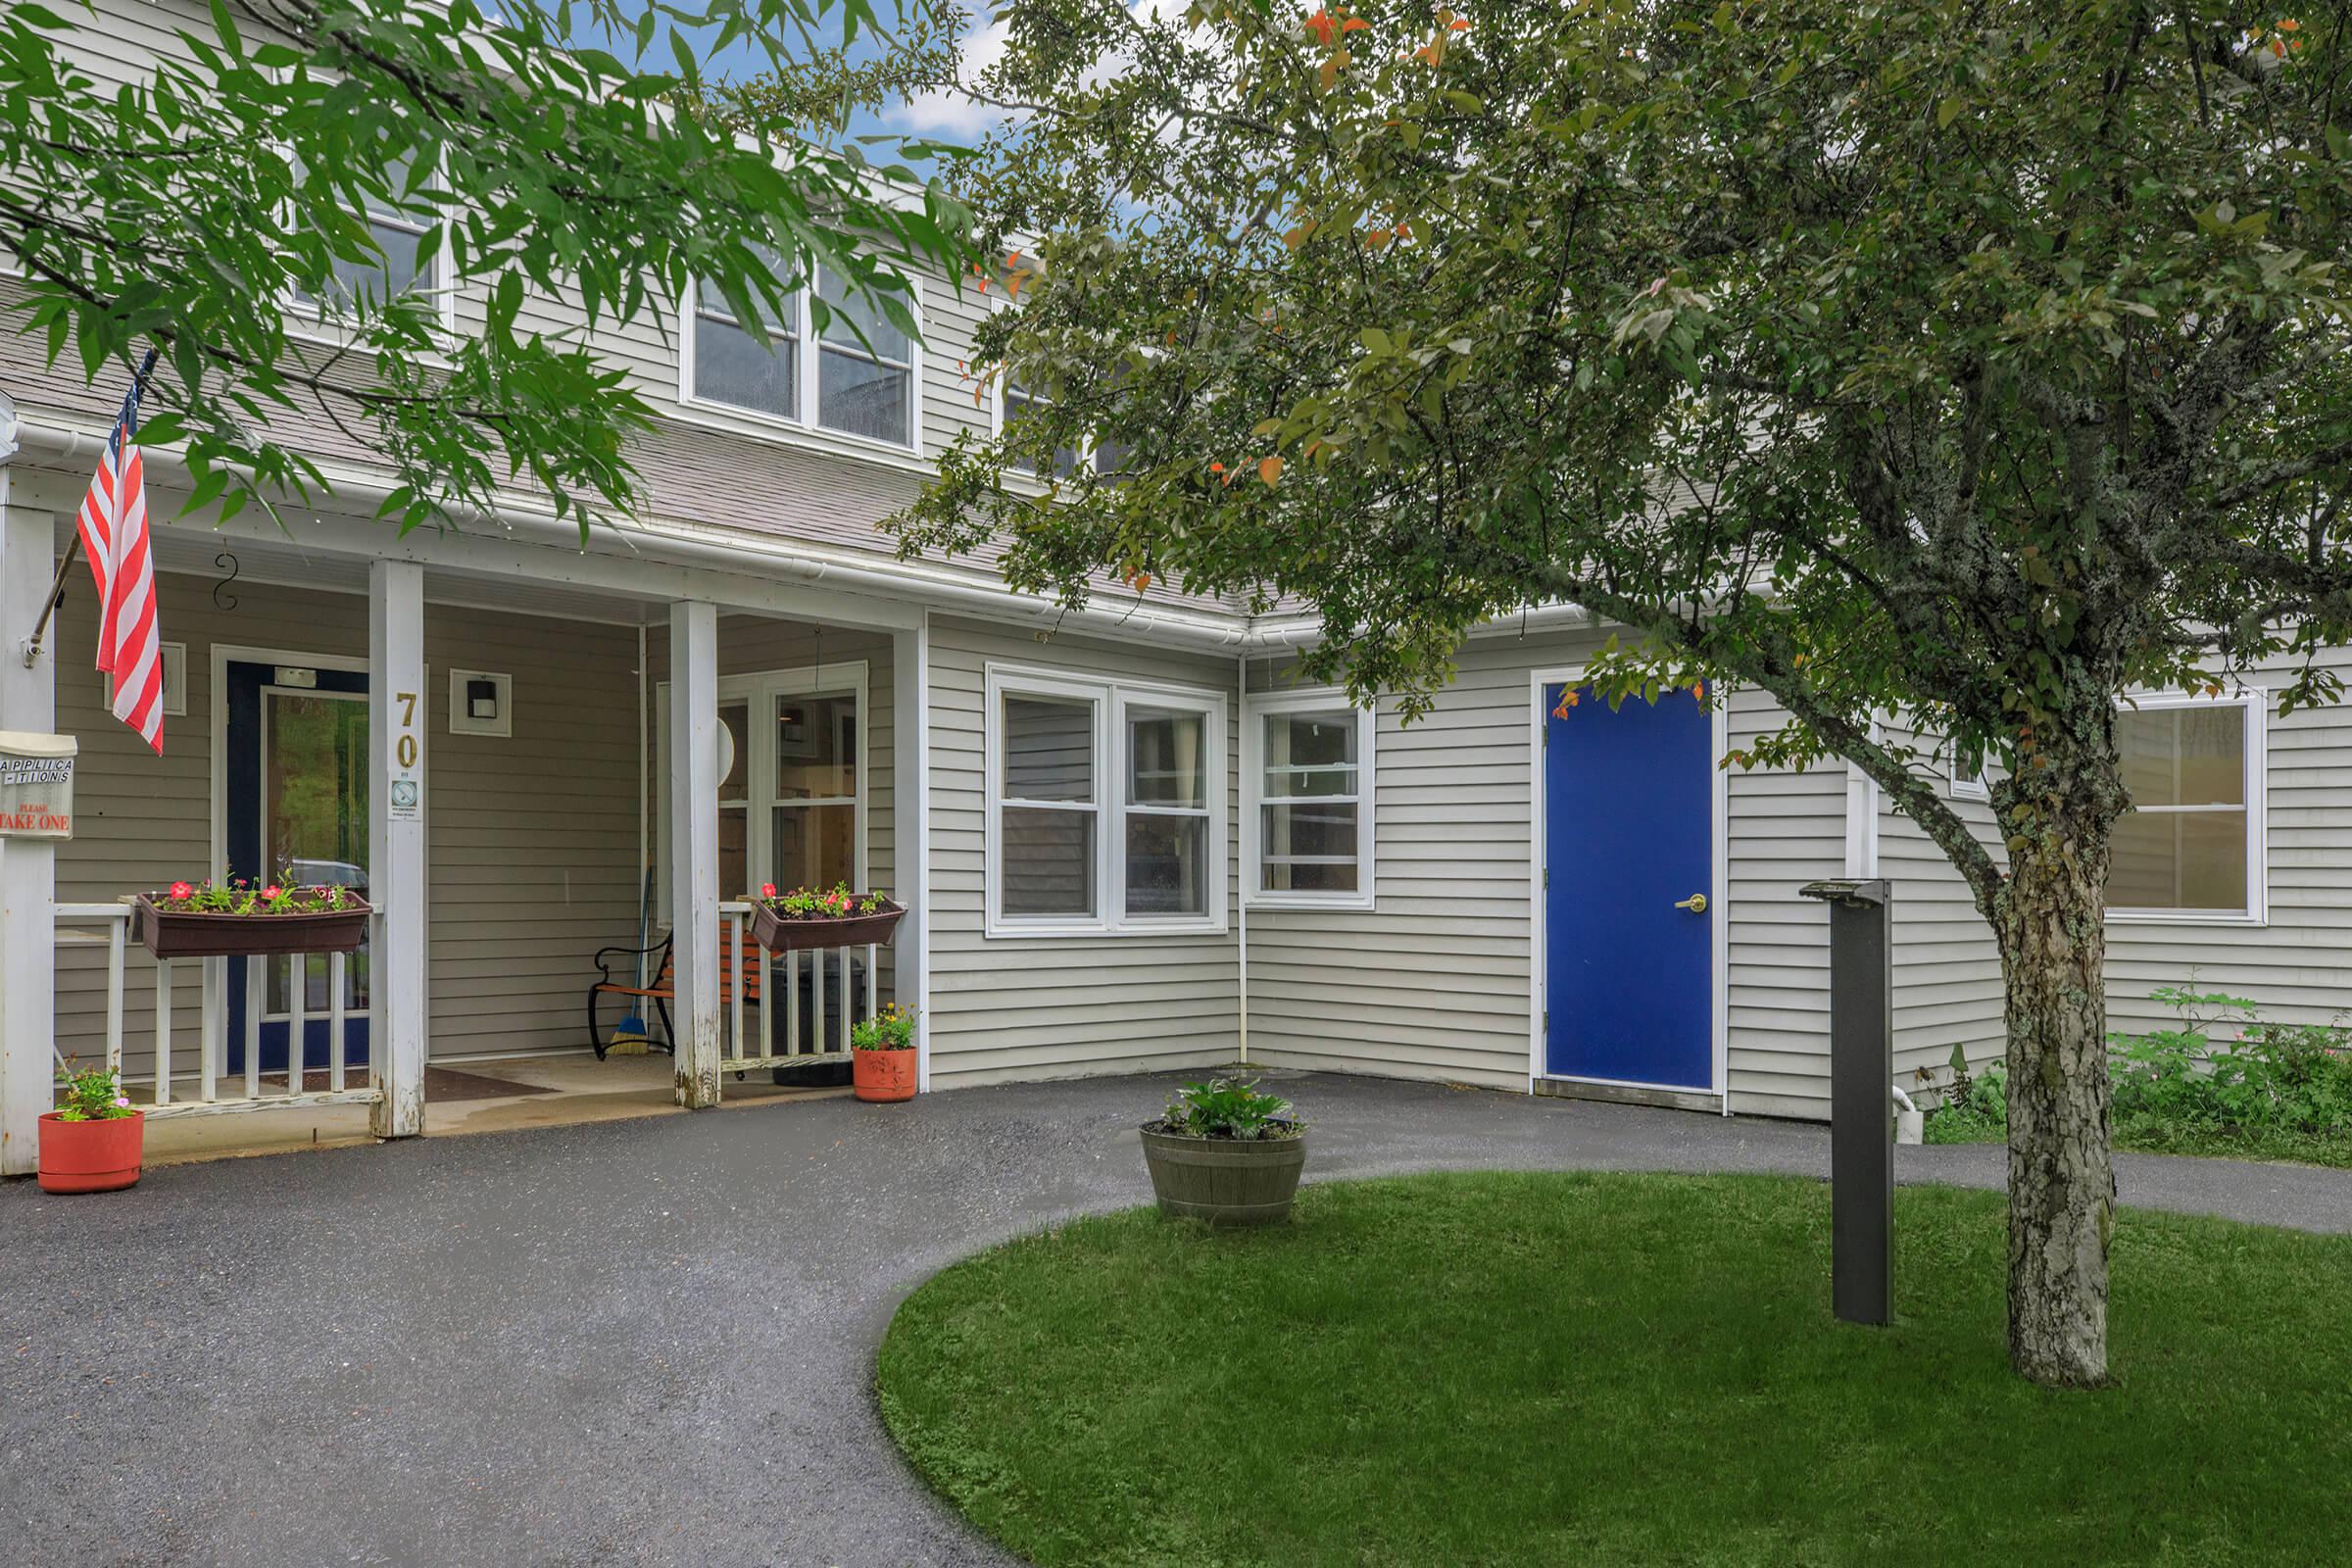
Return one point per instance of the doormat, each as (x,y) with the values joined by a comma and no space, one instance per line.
(441,1085)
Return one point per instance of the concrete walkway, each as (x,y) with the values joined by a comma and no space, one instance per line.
(650,1341)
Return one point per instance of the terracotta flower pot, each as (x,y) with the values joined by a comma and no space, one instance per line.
(90,1157)
(882,1075)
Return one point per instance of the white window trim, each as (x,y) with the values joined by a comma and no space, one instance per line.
(1109,701)
(1963,788)
(309,321)
(760,772)
(1322,699)
(804,421)
(2255,700)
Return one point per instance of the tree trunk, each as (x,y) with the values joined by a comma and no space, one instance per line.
(2051,925)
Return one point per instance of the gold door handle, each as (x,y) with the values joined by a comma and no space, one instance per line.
(1696,903)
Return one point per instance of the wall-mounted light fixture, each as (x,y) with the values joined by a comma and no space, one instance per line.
(480,702)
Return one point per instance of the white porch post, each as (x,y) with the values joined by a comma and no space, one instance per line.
(910,837)
(694,846)
(27,866)
(397,711)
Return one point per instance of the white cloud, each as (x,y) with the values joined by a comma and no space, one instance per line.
(950,113)
(954,115)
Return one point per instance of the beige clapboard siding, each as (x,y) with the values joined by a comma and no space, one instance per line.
(1050,1007)
(1786,829)
(532,839)
(1434,981)
(753,644)
(2298,966)
(1948,971)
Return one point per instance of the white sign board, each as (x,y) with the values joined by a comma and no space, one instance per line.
(36,785)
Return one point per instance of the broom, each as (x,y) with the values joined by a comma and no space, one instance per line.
(629,1036)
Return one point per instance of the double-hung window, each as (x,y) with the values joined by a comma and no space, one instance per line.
(1307,763)
(865,371)
(864,368)
(1106,807)
(354,281)
(1015,404)
(2191,845)
(731,366)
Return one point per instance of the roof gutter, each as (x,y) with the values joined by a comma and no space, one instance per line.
(519,520)
(713,549)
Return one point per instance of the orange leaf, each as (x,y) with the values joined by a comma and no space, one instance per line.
(1698,689)
(1323,27)
(1458,26)
(1356,24)
(1270,470)
(1404,231)
(1216,468)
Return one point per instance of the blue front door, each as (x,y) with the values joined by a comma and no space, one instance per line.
(1629,851)
(297,806)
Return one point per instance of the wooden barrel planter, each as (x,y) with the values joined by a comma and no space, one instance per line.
(1225,1181)
(211,933)
(778,934)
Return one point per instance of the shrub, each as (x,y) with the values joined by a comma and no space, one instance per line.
(2257,1077)
(2220,1079)
(1225,1108)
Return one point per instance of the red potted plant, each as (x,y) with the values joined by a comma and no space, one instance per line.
(198,921)
(882,1055)
(93,1142)
(808,917)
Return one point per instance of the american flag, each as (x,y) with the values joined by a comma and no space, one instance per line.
(114,534)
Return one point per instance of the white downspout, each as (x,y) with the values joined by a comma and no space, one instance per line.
(1242,697)
(645,779)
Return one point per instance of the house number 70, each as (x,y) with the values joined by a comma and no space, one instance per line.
(405,752)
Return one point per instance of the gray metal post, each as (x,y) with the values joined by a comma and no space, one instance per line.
(1861,1099)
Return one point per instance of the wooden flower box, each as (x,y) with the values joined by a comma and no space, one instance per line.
(777,934)
(211,933)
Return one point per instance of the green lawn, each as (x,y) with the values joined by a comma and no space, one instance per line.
(1540,1369)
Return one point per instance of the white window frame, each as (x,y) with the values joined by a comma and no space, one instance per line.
(312,321)
(760,690)
(1963,788)
(2254,701)
(1255,707)
(1109,701)
(807,419)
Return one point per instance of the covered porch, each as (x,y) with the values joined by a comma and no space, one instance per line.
(528,758)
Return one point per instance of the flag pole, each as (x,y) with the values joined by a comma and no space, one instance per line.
(56,584)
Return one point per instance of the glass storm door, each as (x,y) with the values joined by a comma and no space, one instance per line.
(297,807)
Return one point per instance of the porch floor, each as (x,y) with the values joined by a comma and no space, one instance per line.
(577,1089)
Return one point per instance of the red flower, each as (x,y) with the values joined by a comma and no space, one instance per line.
(768,890)
(180,890)
(271,891)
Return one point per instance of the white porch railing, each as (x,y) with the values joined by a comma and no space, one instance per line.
(114,923)
(743,1053)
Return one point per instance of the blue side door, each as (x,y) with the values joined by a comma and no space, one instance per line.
(1629,827)
(296,801)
